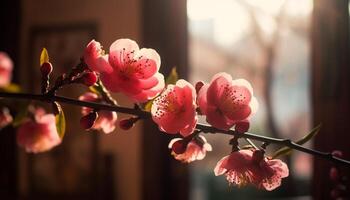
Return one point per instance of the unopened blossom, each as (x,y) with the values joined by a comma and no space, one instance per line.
(127,69)
(245,167)
(175,110)
(6,66)
(227,102)
(5,117)
(196,149)
(38,135)
(106,120)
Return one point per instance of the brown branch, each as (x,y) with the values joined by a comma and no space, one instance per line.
(202,127)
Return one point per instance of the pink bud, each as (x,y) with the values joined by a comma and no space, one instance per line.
(337,153)
(198,86)
(6,66)
(46,68)
(126,124)
(242,126)
(334,174)
(88,121)
(335,194)
(179,147)
(89,78)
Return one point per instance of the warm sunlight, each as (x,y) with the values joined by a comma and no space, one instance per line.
(230,20)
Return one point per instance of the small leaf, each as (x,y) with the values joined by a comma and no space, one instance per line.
(44,57)
(172,77)
(286,150)
(95,89)
(98,88)
(60,120)
(12,88)
(21,114)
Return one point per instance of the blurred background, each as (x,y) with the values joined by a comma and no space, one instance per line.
(294,52)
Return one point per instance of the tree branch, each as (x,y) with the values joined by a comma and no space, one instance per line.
(202,127)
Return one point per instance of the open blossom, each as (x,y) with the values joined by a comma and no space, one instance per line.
(127,68)
(196,149)
(227,102)
(5,117)
(106,120)
(175,110)
(38,135)
(6,66)
(251,167)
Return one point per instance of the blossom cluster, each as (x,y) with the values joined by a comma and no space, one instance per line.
(224,102)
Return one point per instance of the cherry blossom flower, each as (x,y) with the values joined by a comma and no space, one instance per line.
(175,110)
(268,172)
(127,69)
(5,117)
(106,120)
(196,149)
(251,167)
(38,135)
(227,102)
(6,66)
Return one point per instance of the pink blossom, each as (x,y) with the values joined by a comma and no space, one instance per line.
(5,117)
(38,135)
(127,69)
(6,66)
(196,149)
(175,110)
(106,120)
(251,167)
(226,102)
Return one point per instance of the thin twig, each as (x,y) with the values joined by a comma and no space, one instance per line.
(202,127)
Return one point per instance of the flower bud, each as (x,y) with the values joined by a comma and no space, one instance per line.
(46,69)
(6,66)
(126,124)
(334,174)
(88,121)
(242,126)
(179,147)
(335,194)
(89,78)
(337,153)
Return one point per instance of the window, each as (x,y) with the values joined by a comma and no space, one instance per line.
(267,43)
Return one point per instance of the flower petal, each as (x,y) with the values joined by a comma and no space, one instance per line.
(220,167)
(216,87)
(149,54)
(122,51)
(144,68)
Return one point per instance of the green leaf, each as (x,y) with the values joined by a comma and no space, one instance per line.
(44,57)
(21,114)
(172,77)
(286,150)
(98,88)
(12,88)
(60,121)
(94,89)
